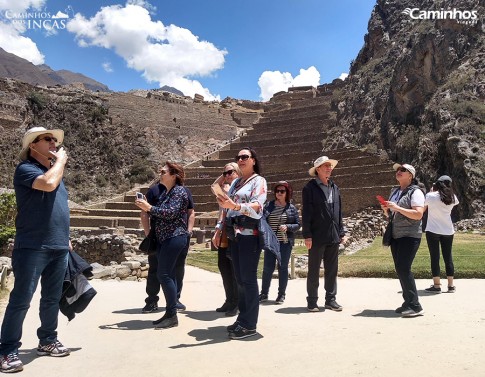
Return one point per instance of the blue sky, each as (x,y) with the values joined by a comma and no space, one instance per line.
(243,49)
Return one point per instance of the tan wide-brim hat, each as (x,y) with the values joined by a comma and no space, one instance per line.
(320,161)
(31,135)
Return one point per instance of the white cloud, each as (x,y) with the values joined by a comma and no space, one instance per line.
(11,38)
(169,55)
(12,41)
(343,76)
(107,67)
(271,82)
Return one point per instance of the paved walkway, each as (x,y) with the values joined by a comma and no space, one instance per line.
(112,337)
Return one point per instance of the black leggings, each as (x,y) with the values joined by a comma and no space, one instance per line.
(434,240)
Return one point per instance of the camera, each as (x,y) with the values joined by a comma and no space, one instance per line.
(139,195)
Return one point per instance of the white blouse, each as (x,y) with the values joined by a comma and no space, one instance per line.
(439,214)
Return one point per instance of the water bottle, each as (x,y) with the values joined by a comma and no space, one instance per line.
(283,234)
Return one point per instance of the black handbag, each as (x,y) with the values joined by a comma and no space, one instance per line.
(149,243)
(387,236)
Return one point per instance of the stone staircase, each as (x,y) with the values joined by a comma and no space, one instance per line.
(287,141)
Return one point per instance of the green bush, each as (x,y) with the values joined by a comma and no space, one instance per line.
(8,211)
(36,102)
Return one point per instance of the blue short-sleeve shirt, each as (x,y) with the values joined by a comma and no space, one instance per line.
(42,217)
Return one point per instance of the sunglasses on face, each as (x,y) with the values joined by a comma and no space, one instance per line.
(48,139)
(229,172)
(242,157)
(402,170)
(280,191)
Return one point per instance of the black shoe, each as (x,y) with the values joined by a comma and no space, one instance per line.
(180,307)
(263,297)
(166,322)
(232,311)
(332,305)
(313,307)
(433,289)
(409,313)
(232,327)
(241,333)
(451,289)
(224,308)
(401,309)
(280,299)
(150,308)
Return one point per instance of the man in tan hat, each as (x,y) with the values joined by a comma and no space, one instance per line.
(41,245)
(323,231)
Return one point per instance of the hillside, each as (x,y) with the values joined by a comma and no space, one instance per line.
(416,90)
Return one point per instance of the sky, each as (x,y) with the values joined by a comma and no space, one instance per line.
(245,49)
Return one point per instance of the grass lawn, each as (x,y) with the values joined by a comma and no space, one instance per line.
(376,261)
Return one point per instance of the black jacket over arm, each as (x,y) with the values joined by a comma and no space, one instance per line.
(322,221)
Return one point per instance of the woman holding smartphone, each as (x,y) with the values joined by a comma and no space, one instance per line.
(244,202)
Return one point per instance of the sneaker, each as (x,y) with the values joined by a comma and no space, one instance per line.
(55,349)
(232,327)
(313,308)
(263,297)
(224,308)
(280,299)
(150,308)
(241,333)
(180,307)
(451,289)
(332,305)
(166,322)
(409,313)
(433,289)
(400,309)
(11,363)
(232,312)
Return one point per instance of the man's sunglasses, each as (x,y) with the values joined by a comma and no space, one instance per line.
(243,157)
(280,191)
(47,138)
(229,172)
(402,170)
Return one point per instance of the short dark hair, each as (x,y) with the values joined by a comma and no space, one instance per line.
(288,189)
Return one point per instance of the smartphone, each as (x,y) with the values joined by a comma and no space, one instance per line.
(139,195)
(381,200)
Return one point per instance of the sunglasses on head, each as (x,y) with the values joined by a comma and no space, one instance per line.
(163,171)
(47,138)
(280,191)
(402,170)
(229,172)
(242,157)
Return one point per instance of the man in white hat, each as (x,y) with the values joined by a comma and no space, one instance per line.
(323,231)
(41,245)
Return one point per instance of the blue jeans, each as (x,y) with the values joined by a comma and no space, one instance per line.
(168,253)
(245,252)
(269,266)
(30,265)
(403,251)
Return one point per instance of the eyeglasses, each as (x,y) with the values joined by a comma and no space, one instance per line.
(243,157)
(48,139)
(402,170)
(280,191)
(229,172)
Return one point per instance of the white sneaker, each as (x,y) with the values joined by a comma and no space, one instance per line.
(409,313)
(11,363)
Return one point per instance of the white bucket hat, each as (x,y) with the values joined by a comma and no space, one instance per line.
(32,134)
(320,161)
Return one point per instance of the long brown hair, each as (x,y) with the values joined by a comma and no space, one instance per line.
(178,171)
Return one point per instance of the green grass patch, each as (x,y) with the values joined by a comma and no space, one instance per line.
(376,261)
